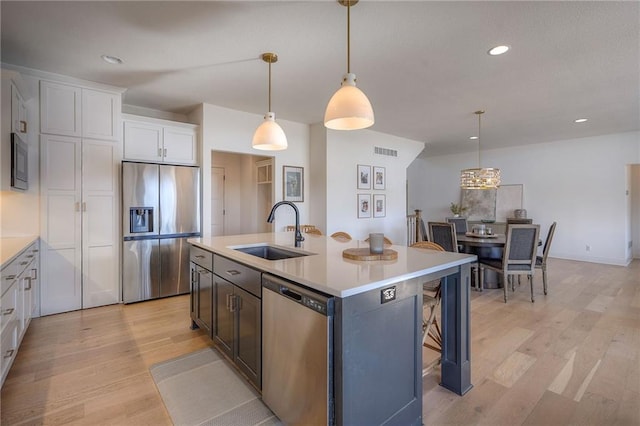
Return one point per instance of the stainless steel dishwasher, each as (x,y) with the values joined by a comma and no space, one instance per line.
(297,355)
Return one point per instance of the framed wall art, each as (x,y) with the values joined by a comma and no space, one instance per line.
(379,205)
(364,206)
(364,177)
(379,178)
(293,183)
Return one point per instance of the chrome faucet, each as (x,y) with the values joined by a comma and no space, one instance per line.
(299,238)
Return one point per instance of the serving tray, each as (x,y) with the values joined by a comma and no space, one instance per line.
(365,254)
(471,234)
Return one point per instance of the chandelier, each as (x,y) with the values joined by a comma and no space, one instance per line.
(480,177)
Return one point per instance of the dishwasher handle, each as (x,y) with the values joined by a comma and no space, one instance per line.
(287,292)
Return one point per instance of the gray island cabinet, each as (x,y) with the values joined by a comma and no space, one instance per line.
(375,332)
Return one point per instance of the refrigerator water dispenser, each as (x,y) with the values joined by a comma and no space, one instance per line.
(141,219)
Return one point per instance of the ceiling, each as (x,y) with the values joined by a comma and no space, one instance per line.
(423,64)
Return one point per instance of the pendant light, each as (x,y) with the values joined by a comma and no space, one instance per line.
(349,108)
(480,178)
(269,136)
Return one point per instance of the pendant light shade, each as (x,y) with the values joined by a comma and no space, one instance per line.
(349,108)
(269,136)
(480,178)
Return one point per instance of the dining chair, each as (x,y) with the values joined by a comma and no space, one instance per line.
(541,261)
(431,297)
(443,233)
(460,224)
(519,221)
(387,241)
(313,231)
(518,258)
(341,236)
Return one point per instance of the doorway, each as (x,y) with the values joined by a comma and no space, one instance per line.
(241,192)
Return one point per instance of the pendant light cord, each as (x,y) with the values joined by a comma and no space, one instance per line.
(348,36)
(269,87)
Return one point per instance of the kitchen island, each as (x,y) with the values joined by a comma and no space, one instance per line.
(376,351)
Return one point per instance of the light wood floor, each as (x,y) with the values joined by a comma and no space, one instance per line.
(571,357)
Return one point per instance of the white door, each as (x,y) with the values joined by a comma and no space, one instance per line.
(217,201)
(100,243)
(61,227)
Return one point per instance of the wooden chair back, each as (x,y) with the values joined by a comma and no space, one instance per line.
(547,243)
(428,245)
(341,236)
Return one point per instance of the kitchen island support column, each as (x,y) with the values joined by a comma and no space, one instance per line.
(456,336)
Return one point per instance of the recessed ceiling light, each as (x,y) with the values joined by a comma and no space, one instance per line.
(112,59)
(581,120)
(473,138)
(498,50)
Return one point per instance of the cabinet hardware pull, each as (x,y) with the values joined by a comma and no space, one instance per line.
(35,250)
(30,256)
(35,273)
(233,272)
(233,303)
(28,288)
(84,206)
(159,152)
(77,206)
(199,256)
(228,302)
(24,263)
(165,152)
(10,277)
(9,353)
(23,126)
(8,311)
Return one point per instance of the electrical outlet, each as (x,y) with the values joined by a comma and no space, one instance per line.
(587,247)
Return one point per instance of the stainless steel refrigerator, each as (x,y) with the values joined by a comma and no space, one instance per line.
(161,209)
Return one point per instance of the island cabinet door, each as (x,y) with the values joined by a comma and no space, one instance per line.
(223,320)
(249,334)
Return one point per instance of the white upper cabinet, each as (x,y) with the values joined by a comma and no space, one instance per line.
(60,109)
(73,111)
(100,114)
(18,112)
(162,141)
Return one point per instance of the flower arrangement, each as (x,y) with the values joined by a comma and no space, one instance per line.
(457,209)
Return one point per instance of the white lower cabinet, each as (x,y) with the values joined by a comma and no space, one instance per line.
(80,244)
(17,303)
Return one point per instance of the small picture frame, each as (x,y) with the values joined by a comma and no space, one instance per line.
(379,205)
(379,178)
(364,177)
(293,183)
(364,206)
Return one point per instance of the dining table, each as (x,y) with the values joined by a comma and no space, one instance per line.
(484,246)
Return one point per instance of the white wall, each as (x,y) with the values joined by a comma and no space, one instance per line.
(20,210)
(579,183)
(635,210)
(345,150)
(224,129)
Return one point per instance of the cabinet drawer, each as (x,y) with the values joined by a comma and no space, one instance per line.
(202,258)
(9,275)
(9,306)
(240,275)
(9,346)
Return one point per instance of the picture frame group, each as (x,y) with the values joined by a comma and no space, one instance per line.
(371,177)
(371,205)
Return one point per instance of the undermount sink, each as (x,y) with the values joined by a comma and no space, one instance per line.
(268,252)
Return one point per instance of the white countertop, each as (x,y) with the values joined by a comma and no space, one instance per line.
(326,270)
(10,247)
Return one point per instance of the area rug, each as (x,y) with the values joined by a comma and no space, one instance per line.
(201,388)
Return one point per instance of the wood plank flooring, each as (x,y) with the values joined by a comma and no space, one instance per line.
(570,358)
